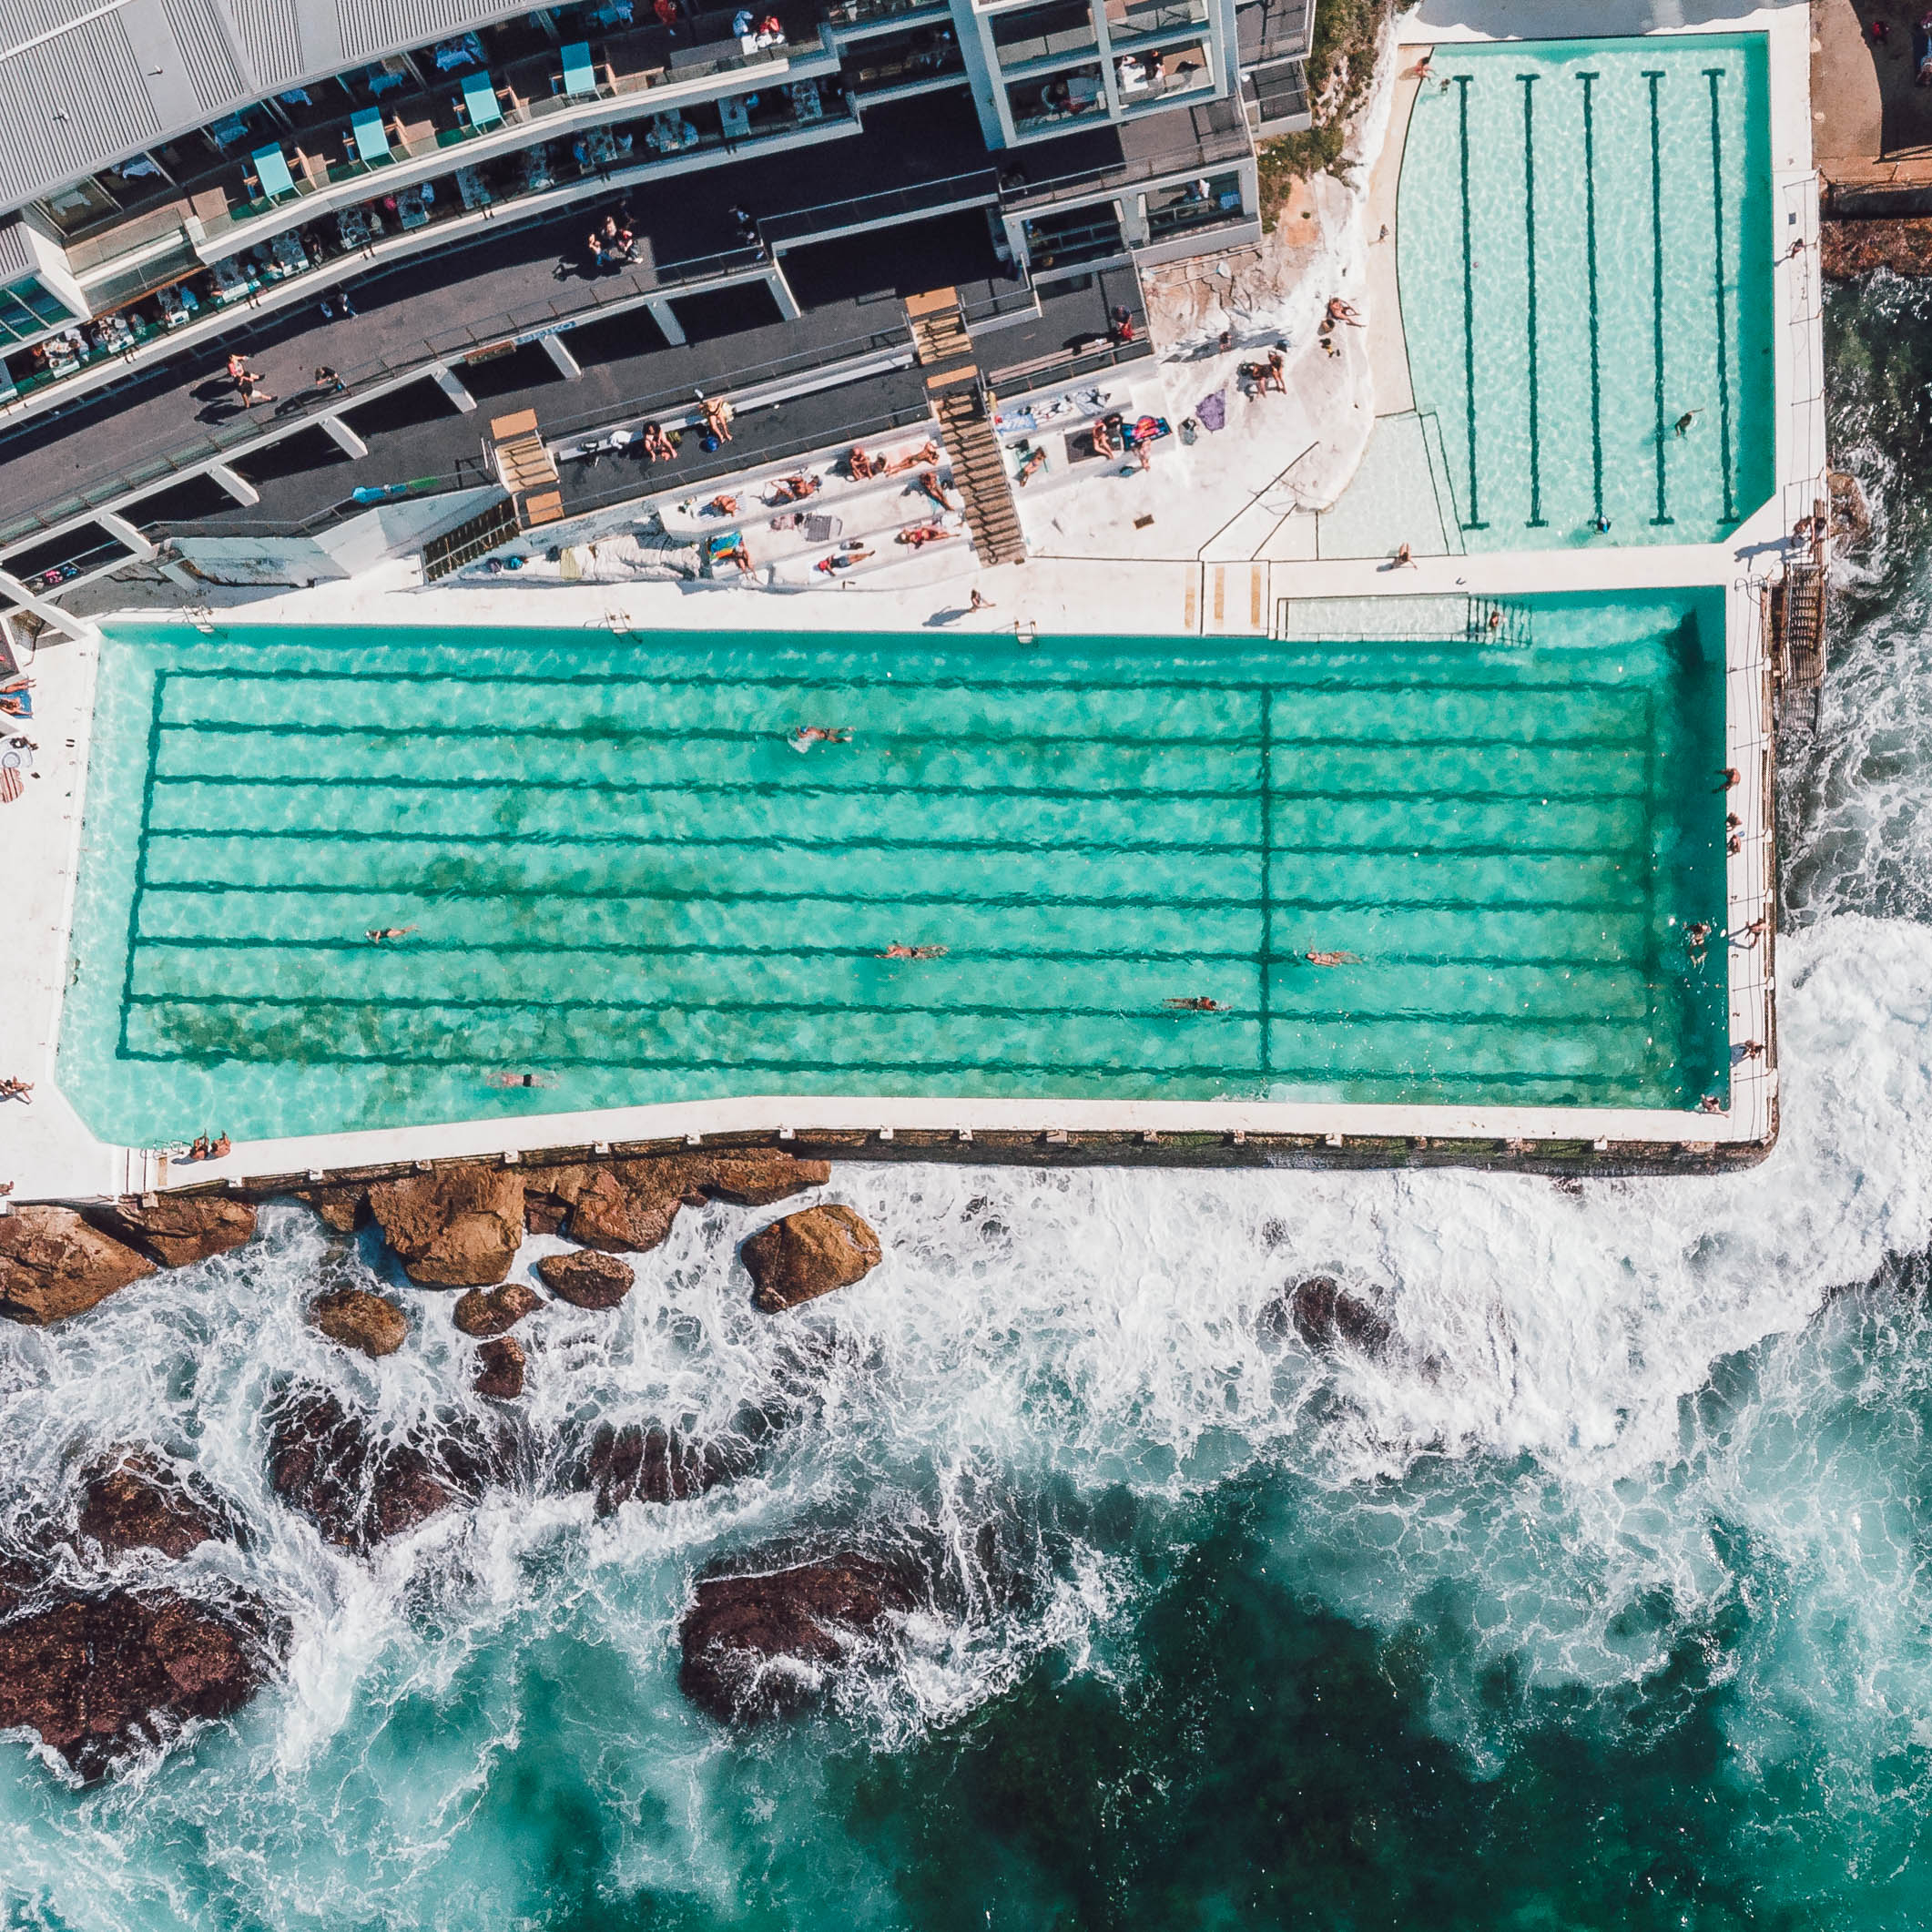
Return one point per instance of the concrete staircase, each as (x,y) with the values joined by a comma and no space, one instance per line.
(964,407)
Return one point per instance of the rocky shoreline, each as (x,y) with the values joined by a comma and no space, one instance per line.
(114,1665)
(106,1669)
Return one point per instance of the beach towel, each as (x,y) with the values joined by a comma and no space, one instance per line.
(822,529)
(1211,412)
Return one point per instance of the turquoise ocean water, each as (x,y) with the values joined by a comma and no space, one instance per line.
(611,869)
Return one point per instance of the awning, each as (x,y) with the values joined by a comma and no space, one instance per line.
(479,98)
(579,77)
(371,138)
(273,168)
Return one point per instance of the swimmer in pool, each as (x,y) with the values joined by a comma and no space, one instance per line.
(806,735)
(1333,958)
(1199,1003)
(898,950)
(379,933)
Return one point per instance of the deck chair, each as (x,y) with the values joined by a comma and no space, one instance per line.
(479,99)
(579,77)
(271,169)
(371,138)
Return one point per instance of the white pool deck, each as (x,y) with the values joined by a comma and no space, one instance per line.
(1193,585)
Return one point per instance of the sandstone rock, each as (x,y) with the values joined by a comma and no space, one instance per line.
(458,1227)
(1325,1314)
(809,1254)
(101,1677)
(484,1312)
(355,1488)
(1847,249)
(635,1464)
(137,1501)
(179,1228)
(340,1207)
(358,1320)
(52,1264)
(761,1646)
(628,1206)
(586,1280)
(500,1369)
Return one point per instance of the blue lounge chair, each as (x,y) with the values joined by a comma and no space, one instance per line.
(479,99)
(371,138)
(579,77)
(271,169)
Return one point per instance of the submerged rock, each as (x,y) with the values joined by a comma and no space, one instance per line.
(458,1227)
(500,1369)
(761,1646)
(178,1229)
(808,1255)
(137,1501)
(99,1678)
(358,1489)
(484,1312)
(586,1279)
(639,1464)
(358,1320)
(1325,1314)
(54,1265)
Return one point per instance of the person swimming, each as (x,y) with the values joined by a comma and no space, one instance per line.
(1333,958)
(806,735)
(1197,1003)
(898,950)
(379,933)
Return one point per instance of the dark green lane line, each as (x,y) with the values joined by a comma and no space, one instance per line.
(1590,252)
(607,731)
(1536,454)
(1715,75)
(1469,304)
(1167,1016)
(1655,79)
(821,849)
(1264,972)
(508,949)
(141,848)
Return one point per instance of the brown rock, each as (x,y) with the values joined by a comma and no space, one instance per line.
(1325,1314)
(1849,249)
(101,1677)
(627,1206)
(179,1228)
(761,1646)
(139,1502)
(808,1255)
(357,1490)
(635,1464)
(458,1227)
(484,1312)
(500,1369)
(358,1320)
(586,1280)
(52,1264)
(340,1207)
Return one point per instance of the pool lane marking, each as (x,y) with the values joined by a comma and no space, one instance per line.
(1654,77)
(1536,460)
(1468,303)
(141,856)
(1590,255)
(1265,963)
(1717,276)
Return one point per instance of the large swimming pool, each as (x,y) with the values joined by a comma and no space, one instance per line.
(1585,247)
(611,869)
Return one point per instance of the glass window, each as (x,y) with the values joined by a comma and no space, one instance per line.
(1057,98)
(28,310)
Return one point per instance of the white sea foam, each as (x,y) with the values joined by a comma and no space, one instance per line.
(1542,1438)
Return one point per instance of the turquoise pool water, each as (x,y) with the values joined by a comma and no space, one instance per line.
(612,870)
(1585,244)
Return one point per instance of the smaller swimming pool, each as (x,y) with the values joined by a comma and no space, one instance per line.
(605,866)
(1585,251)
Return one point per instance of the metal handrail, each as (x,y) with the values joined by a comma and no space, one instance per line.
(971,184)
(1231,146)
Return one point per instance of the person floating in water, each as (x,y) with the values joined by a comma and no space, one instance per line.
(806,735)
(1198,1003)
(1333,958)
(379,933)
(1686,420)
(898,950)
